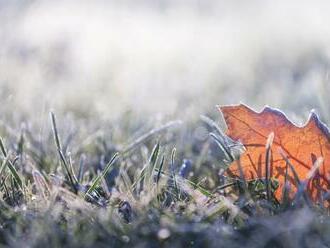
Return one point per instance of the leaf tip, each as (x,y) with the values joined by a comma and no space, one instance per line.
(315,119)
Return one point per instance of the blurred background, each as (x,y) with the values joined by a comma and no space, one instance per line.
(172,58)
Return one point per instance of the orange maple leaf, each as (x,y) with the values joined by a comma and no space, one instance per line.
(302,146)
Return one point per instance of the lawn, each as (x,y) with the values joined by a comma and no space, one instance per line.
(111,134)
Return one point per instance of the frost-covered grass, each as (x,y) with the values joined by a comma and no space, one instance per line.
(128,160)
(162,186)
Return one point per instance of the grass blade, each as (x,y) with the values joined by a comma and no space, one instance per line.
(59,150)
(267,162)
(81,167)
(3,165)
(285,193)
(160,169)
(154,155)
(211,123)
(148,135)
(300,186)
(173,172)
(153,161)
(10,165)
(15,174)
(228,156)
(102,175)
(148,168)
(2,147)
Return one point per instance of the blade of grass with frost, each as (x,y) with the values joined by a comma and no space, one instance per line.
(2,147)
(286,188)
(10,165)
(154,156)
(6,189)
(195,185)
(160,169)
(159,174)
(3,165)
(267,162)
(127,182)
(146,172)
(81,167)
(59,150)
(200,188)
(148,135)
(153,161)
(215,126)
(224,186)
(311,174)
(211,123)
(173,172)
(296,178)
(41,183)
(140,176)
(295,175)
(224,149)
(104,172)
(15,174)
(72,170)
(12,186)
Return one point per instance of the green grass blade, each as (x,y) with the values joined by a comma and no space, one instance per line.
(199,188)
(62,157)
(153,161)
(2,148)
(160,169)
(229,157)
(146,171)
(3,165)
(102,175)
(154,154)
(15,174)
(10,165)
(54,126)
